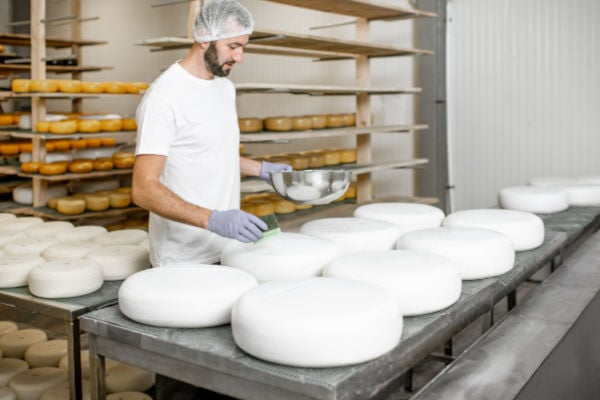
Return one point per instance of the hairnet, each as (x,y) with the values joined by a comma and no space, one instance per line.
(222,19)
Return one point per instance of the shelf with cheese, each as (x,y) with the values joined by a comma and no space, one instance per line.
(67,176)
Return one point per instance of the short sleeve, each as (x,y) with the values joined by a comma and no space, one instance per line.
(156,126)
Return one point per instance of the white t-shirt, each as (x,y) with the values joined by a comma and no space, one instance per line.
(193,122)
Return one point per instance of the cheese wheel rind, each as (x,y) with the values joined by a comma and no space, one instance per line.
(406,216)
(122,377)
(535,199)
(29,385)
(14,344)
(120,261)
(55,279)
(46,354)
(15,269)
(9,367)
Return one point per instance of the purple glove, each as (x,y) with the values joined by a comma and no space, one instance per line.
(266,168)
(236,224)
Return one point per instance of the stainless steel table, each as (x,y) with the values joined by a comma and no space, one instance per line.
(209,357)
(60,316)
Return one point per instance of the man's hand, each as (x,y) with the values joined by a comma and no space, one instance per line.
(266,168)
(236,224)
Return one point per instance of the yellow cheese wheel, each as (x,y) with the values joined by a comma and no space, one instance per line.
(78,144)
(347,155)
(262,207)
(20,85)
(332,157)
(42,126)
(114,87)
(52,168)
(9,149)
(282,206)
(96,202)
(351,191)
(69,86)
(111,125)
(349,119)
(30,167)
(89,125)
(92,142)
(318,121)
(107,141)
(26,147)
(123,162)
(335,121)
(43,85)
(317,159)
(81,166)
(53,201)
(247,207)
(128,124)
(65,127)
(135,87)
(92,87)
(70,206)
(301,123)
(6,119)
(61,145)
(299,161)
(249,125)
(119,200)
(103,164)
(279,124)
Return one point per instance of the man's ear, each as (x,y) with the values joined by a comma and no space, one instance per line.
(204,45)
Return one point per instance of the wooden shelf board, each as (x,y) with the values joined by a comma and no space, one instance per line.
(60,95)
(20,39)
(318,133)
(358,169)
(68,176)
(368,9)
(12,207)
(319,90)
(23,134)
(9,170)
(8,184)
(46,212)
(64,69)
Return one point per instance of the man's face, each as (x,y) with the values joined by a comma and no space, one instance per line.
(220,55)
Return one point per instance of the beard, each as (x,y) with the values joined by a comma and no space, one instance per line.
(211,60)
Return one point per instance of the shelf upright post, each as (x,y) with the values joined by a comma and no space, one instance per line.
(363,114)
(76,103)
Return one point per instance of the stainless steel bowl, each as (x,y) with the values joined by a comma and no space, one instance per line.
(311,186)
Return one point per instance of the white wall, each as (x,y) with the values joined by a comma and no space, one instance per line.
(523,93)
(123,22)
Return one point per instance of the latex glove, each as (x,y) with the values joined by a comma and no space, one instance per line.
(236,224)
(266,168)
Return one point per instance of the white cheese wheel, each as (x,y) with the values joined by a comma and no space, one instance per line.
(285,256)
(48,229)
(120,261)
(354,234)
(122,377)
(65,278)
(535,199)
(96,152)
(7,393)
(7,237)
(29,245)
(406,216)
(478,253)
(420,282)
(15,343)
(7,217)
(29,385)
(588,179)
(525,230)
(145,244)
(122,236)
(46,354)
(7,327)
(582,195)
(69,250)
(23,194)
(183,296)
(9,367)
(61,391)
(552,181)
(19,224)
(93,185)
(317,322)
(128,396)
(81,233)
(15,269)
(50,157)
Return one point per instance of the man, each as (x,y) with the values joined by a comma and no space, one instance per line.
(187,169)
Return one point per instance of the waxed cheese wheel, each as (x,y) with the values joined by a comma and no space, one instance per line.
(406,216)
(526,230)
(7,393)
(285,256)
(46,354)
(280,124)
(92,87)
(353,234)
(123,236)
(421,282)
(43,85)
(81,233)
(69,86)
(183,296)
(122,377)
(7,327)
(19,224)
(478,253)
(128,396)
(14,344)
(248,125)
(301,123)
(48,229)
(120,261)
(61,391)
(89,126)
(20,85)
(29,245)
(54,279)
(70,206)
(535,199)
(14,270)
(316,322)
(9,367)
(582,195)
(29,385)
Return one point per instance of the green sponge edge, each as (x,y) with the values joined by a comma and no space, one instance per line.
(272,227)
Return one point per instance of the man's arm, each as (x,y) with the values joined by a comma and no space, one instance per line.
(148,192)
(249,167)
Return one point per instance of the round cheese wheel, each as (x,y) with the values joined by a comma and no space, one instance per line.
(81,166)
(283,206)
(283,322)
(135,87)
(317,160)
(248,125)
(582,195)
(285,256)
(318,121)
(65,127)
(332,157)
(128,396)
(7,393)
(70,206)
(349,119)
(20,85)
(279,124)
(96,202)
(92,142)
(406,216)
(123,162)
(335,121)
(525,230)
(7,327)
(30,167)
(114,87)
(478,253)
(9,149)
(89,126)
(29,245)
(92,87)
(69,250)
(120,261)
(298,162)
(14,344)
(301,123)
(420,282)
(43,85)
(29,385)
(46,354)
(9,367)
(111,125)
(69,86)
(103,164)
(119,200)
(19,224)
(54,279)
(61,391)
(353,234)
(261,207)
(129,124)
(535,199)
(122,377)
(123,236)
(183,296)
(81,233)
(48,229)
(52,168)
(7,236)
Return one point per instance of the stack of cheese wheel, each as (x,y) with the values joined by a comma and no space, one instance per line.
(535,199)
(120,261)
(30,384)
(283,322)
(525,230)
(478,253)
(46,354)
(54,279)
(285,256)
(353,234)
(194,295)
(420,282)
(10,367)
(406,216)
(14,344)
